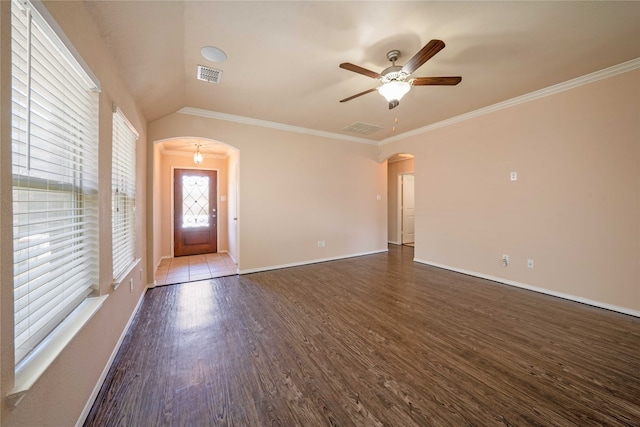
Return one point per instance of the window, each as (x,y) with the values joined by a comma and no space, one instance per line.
(123,195)
(55,179)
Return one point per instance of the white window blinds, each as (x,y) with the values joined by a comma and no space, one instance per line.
(123,195)
(55,182)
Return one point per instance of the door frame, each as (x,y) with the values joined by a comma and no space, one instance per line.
(173,210)
(399,214)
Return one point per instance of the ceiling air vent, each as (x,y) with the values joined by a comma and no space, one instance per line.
(210,75)
(362,128)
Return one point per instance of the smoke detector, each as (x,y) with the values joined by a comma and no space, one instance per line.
(208,74)
(213,54)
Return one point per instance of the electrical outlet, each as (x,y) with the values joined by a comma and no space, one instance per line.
(131,285)
(530,263)
(505,260)
(514,176)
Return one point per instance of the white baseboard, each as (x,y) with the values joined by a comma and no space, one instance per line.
(562,295)
(395,243)
(105,371)
(313,261)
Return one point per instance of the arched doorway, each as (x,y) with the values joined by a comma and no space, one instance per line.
(219,160)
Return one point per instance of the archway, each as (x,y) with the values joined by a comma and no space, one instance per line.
(178,153)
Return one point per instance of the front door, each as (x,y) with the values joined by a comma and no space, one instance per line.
(195,212)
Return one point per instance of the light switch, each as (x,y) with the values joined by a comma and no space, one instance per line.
(223,198)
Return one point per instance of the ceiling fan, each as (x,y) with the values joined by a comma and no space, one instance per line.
(395,79)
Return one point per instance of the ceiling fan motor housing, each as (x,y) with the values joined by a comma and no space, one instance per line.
(393,73)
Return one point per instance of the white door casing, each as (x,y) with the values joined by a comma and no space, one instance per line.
(408,208)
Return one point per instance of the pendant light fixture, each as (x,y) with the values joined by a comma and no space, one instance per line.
(197,156)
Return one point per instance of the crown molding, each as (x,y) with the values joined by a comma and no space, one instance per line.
(272,125)
(551,90)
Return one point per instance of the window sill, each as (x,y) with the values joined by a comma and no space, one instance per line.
(36,363)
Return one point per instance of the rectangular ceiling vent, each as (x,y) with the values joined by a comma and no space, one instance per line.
(362,128)
(210,75)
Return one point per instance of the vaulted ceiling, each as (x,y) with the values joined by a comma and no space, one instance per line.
(283,57)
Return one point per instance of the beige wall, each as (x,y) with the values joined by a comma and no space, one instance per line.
(296,189)
(155,190)
(233,172)
(394,170)
(60,395)
(574,210)
(6,217)
(167,165)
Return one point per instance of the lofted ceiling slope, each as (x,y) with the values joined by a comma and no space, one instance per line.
(283,57)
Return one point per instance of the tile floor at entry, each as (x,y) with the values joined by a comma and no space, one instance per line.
(194,267)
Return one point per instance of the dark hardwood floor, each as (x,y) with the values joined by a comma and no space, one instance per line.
(375,340)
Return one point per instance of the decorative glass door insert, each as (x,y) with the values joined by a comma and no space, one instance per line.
(195,211)
(195,201)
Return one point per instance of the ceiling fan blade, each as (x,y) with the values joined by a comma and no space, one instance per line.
(358,94)
(430,49)
(357,69)
(441,81)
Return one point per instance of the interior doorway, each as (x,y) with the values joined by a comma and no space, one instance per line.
(406,203)
(195,212)
(398,165)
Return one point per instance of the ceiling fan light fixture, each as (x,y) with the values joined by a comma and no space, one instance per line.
(394,90)
(394,78)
